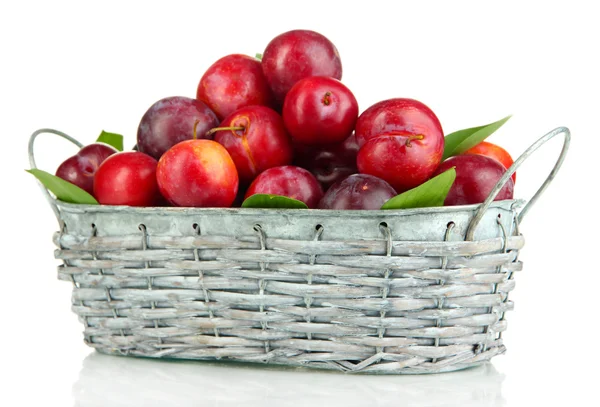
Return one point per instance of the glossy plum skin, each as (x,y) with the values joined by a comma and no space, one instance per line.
(198,173)
(358,191)
(476,176)
(171,120)
(297,54)
(319,110)
(401,141)
(398,116)
(262,144)
(329,163)
(288,180)
(127,178)
(233,82)
(81,168)
(494,151)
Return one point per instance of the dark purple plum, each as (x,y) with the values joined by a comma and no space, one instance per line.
(358,191)
(476,176)
(330,163)
(172,120)
(80,169)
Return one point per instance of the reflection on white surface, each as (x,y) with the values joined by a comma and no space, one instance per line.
(126,381)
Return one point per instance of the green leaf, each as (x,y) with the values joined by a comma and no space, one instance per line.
(460,141)
(259,56)
(272,201)
(112,139)
(429,193)
(64,190)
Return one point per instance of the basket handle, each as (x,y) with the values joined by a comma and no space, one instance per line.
(505,177)
(46,193)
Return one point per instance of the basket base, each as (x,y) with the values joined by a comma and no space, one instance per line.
(481,359)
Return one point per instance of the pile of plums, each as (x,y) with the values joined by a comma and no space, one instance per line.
(282,123)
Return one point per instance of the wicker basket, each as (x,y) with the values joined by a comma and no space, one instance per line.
(388,292)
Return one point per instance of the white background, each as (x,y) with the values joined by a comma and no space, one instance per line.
(82,68)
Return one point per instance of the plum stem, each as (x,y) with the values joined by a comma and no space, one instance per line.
(194,131)
(413,137)
(232,128)
(327,99)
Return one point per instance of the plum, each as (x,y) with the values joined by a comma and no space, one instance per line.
(171,120)
(494,151)
(81,168)
(358,191)
(297,54)
(328,163)
(319,110)
(401,141)
(127,178)
(256,139)
(198,173)
(476,176)
(233,82)
(290,181)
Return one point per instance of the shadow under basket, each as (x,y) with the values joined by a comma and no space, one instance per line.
(387,292)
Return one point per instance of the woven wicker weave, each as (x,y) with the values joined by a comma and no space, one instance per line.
(408,291)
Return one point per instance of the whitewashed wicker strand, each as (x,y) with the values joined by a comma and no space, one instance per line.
(387,292)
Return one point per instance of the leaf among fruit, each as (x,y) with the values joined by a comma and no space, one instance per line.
(112,139)
(272,201)
(462,140)
(429,194)
(63,190)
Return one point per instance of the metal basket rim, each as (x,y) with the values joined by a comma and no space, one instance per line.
(507,204)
